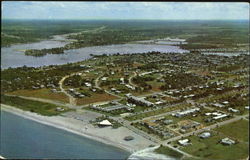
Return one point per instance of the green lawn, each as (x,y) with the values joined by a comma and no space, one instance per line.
(211,149)
(42,108)
(238,130)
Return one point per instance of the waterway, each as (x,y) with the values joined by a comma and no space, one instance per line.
(23,138)
(14,56)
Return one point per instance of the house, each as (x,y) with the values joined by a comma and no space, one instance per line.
(184,142)
(88,84)
(233,110)
(227,141)
(59,109)
(130,87)
(225,102)
(205,135)
(81,95)
(122,80)
(159,102)
(71,90)
(220,116)
(105,123)
(168,121)
(218,105)
(104,78)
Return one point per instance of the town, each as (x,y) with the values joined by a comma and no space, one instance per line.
(193,104)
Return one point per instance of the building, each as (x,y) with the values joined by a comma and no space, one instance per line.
(184,142)
(88,84)
(227,141)
(225,102)
(205,135)
(168,121)
(59,109)
(233,110)
(105,123)
(220,116)
(130,87)
(186,112)
(139,101)
(104,78)
(190,125)
(218,105)
(111,108)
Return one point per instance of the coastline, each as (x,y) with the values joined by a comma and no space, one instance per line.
(59,122)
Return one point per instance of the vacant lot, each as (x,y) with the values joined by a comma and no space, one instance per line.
(95,98)
(238,130)
(211,148)
(42,93)
(32,106)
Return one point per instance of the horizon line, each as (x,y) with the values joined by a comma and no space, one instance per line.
(118,19)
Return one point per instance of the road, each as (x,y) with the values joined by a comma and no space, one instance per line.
(130,80)
(72,100)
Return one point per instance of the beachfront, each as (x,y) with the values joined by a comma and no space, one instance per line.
(106,135)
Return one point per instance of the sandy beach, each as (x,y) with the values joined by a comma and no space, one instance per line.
(106,135)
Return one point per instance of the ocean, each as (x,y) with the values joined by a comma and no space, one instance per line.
(24,138)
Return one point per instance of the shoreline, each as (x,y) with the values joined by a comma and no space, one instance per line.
(49,122)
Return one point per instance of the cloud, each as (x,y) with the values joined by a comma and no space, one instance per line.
(124,10)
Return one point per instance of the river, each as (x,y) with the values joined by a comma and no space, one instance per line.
(13,56)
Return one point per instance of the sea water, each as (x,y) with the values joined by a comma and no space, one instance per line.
(24,138)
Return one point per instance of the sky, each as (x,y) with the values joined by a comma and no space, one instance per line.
(124,10)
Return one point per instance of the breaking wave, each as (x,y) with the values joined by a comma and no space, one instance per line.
(149,154)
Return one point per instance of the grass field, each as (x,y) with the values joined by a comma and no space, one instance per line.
(95,98)
(210,148)
(42,93)
(32,106)
(238,130)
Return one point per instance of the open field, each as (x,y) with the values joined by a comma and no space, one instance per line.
(238,130)
(95,98)
(42,93)
(211,149)
(33,106)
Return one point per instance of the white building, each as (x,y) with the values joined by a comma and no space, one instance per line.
(184,142)
(220,116)
(186,112)
(227,141)
(88,84)
(105,123)
(205,135)
(233,110)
